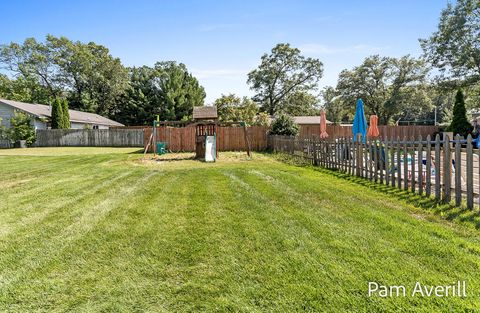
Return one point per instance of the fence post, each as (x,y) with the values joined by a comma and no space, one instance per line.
(428,171)
(359,155)
(387,161)
(405,164)
(376,159)
(340,151)
(392,162)
(371,159)
(399,167)
(420,165)
(350,156)
(469,173)
(412,165)
(447,175)
(437,168)
(458,171)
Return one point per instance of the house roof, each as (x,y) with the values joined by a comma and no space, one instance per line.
(311,120)
(205,112)
(41,110)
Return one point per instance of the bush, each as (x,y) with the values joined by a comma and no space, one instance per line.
(285,126)
(57,114)
(460,124)
(21,128)
(66,115)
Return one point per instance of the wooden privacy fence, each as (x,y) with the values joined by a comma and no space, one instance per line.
(114,137)
(228,138)
(445,170)
(339,131)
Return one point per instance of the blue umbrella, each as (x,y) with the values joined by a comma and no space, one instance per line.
(359,122)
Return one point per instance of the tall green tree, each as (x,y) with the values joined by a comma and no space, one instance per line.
(57,121)
(281,73)
(231,108)
(455,47)
(179,91)
(168,89)
(390,87)
(86,74)
(300,103)
(332,104)
(32,60)
(460,124)
(65,114)
(23,89)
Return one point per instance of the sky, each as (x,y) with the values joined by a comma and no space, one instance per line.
(221,41)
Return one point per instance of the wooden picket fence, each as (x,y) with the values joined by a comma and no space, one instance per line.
(444,169)
(391,131)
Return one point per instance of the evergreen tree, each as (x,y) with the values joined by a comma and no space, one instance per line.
(460,124)
(66,115)
(57,114)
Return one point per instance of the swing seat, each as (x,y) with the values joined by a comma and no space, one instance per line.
(161,147)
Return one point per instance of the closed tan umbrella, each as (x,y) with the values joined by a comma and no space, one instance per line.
(323,125)
(373,129)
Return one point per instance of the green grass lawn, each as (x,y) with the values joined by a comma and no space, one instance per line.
(101,230)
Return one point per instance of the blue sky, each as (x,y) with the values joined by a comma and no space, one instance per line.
(221,41)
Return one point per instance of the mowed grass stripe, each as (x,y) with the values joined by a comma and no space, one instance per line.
(58,230)
(251,236)
(369,231)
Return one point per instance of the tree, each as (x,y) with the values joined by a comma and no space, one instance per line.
(299,103)
(32,60)
(282,72)
(455,47)
(94,79)
(21,128)
(141,99)
(179,91)
(332,104)
(168,89)
(231,108)
(284,125)
(23,89)
(460,124)
(65,115)
(388,86)
(57,114)
(86,74)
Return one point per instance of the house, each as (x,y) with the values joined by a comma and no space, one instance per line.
(308,120)
(42,115)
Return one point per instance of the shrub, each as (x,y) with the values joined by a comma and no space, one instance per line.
(284,125)
(21,128)
(57,114)
(66,115)
(460,124)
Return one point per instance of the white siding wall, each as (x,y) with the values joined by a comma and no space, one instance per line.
(6,113)
(74,125)
(77,125)
(38,124)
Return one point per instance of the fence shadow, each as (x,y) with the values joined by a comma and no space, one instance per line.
(447,211)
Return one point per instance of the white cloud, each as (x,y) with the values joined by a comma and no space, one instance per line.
(314,48)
